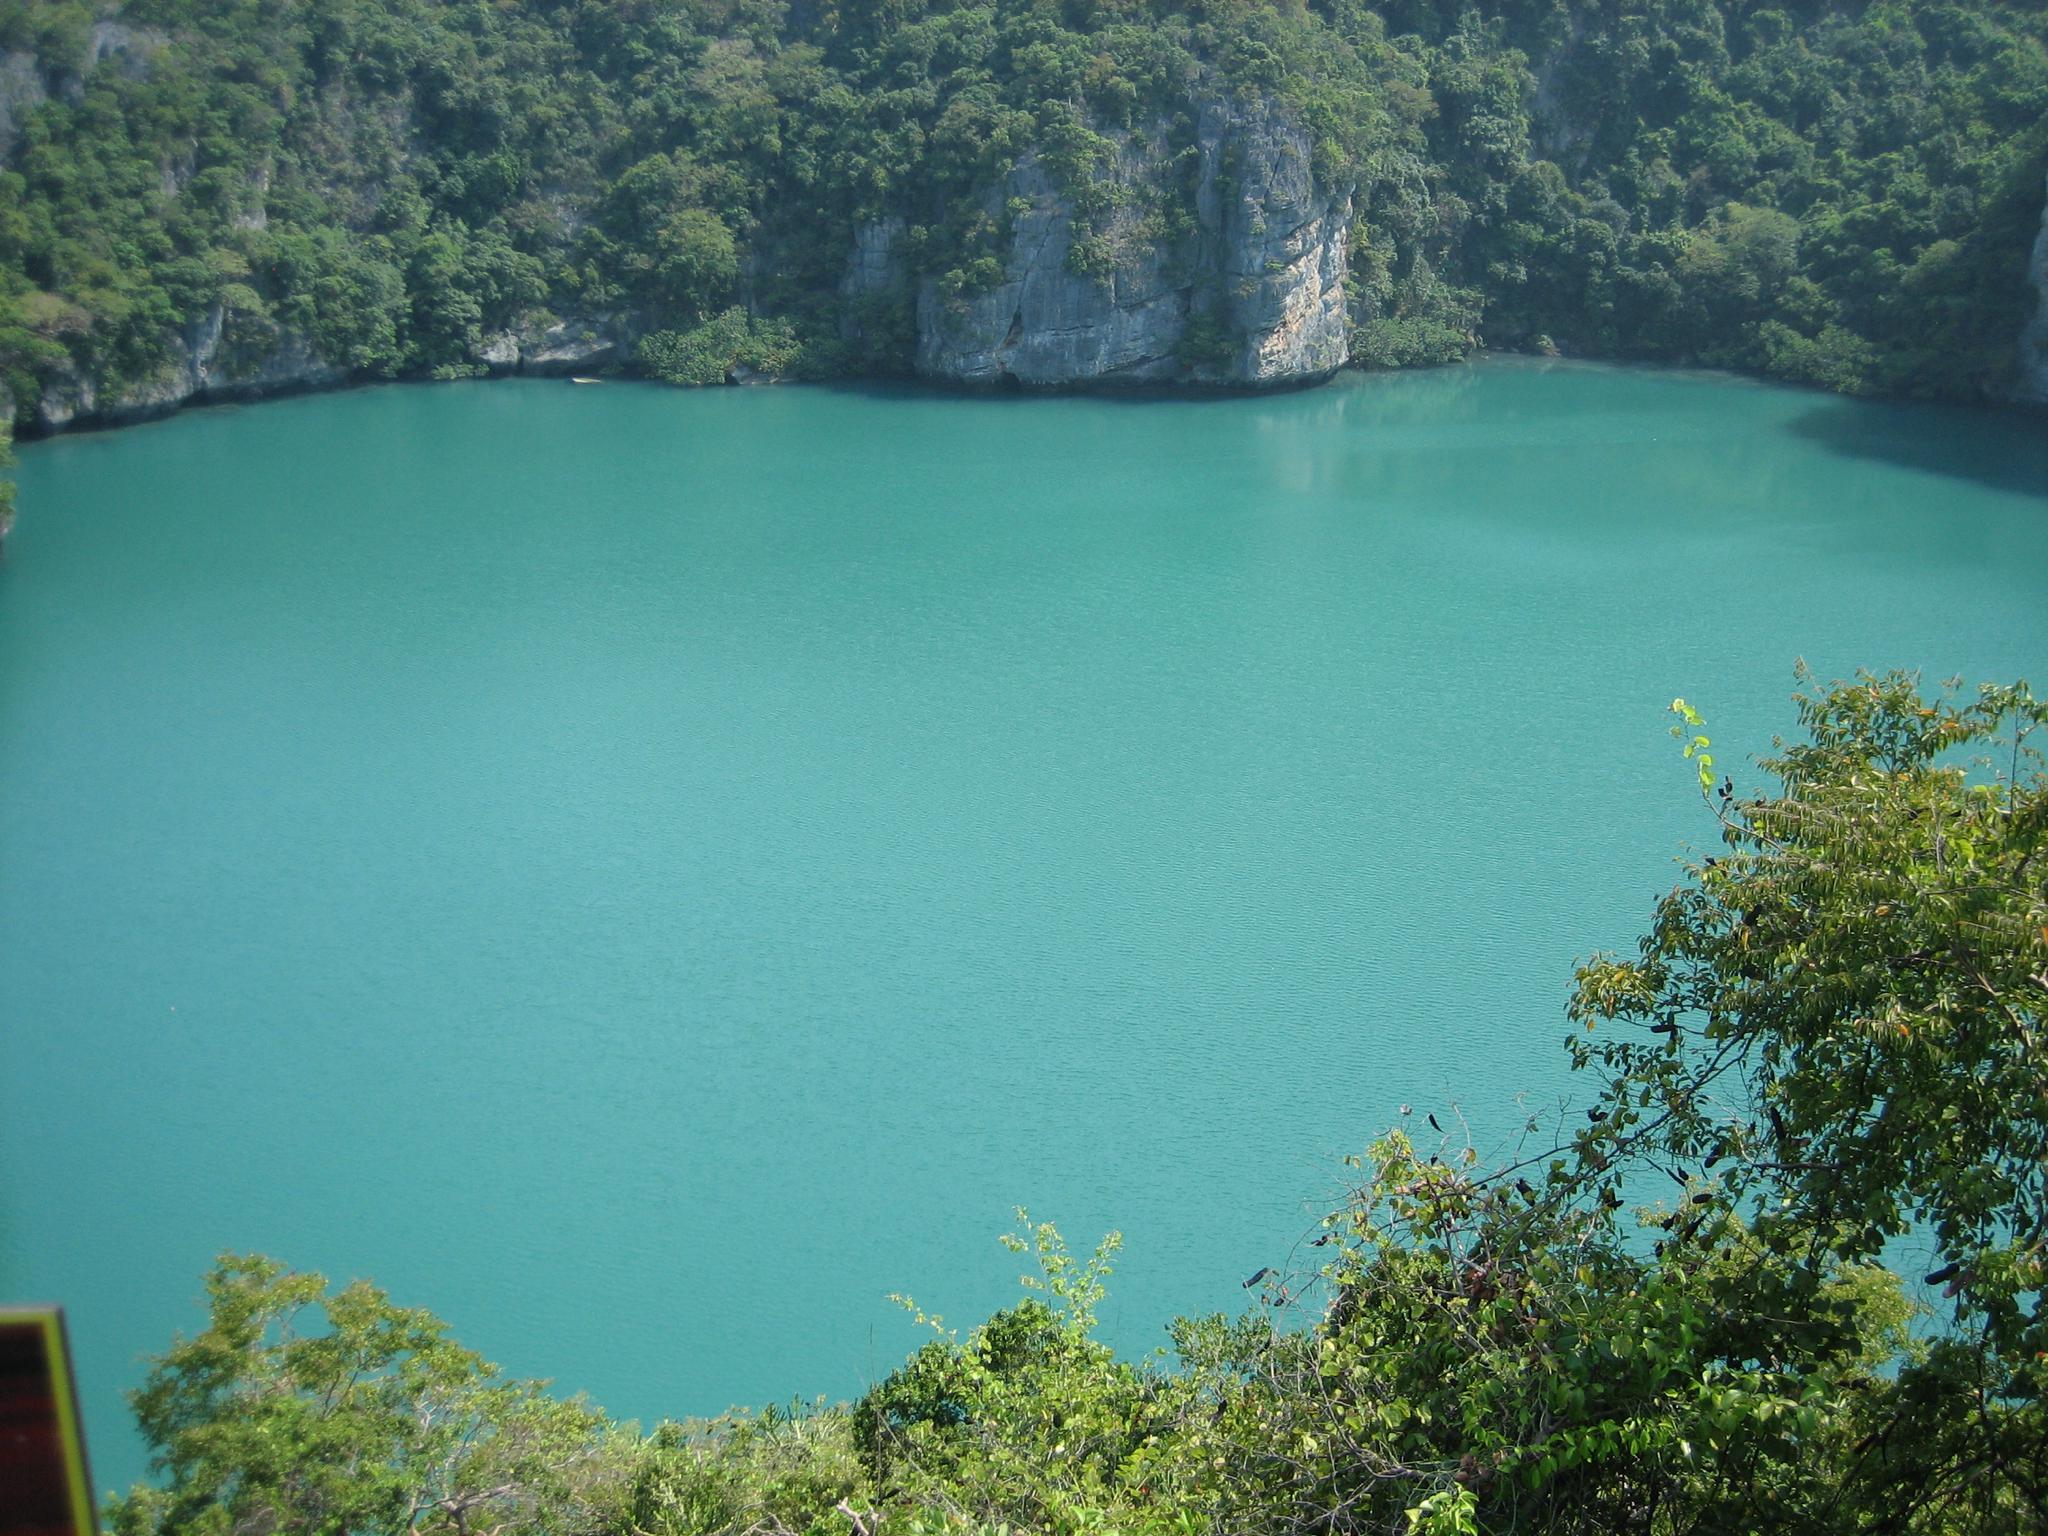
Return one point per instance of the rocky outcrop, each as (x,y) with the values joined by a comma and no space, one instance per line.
(876,266)
(27,81)
(1248,292)
(2033,383)
(130,48)
(547,345)
(200,366)
(21,92)
(1283,248)
(584,344)
(1046,324)
(205,364)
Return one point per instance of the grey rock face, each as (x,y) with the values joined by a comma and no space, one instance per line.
(2033,383)
(204,366)
(568,346)
(1046,324)
(21,92)
(876,267)
(289,364)
(1283,247)
(131,48)
(875,291)
(198,369)
(68,397)
(499,352)
(1261,272)
(545,344)
(26,81)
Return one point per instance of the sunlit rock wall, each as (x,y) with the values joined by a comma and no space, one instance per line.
(2034,345)
(1251,295)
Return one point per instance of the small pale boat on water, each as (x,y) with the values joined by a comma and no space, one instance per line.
(577,378)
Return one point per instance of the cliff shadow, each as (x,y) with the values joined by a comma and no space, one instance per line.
(2002,447)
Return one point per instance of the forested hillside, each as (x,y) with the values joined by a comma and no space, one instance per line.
(213,194)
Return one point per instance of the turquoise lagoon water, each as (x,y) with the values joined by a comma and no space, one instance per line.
(647,873)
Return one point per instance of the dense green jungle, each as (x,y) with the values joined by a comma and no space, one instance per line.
(203,197)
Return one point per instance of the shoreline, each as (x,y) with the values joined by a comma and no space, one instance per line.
(32,432)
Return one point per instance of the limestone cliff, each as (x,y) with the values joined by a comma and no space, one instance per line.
(1245,288)
(21,91)
(549,345)
(203,365)
(206,364)
(2033,384)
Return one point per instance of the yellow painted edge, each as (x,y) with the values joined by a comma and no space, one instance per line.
(70,1432)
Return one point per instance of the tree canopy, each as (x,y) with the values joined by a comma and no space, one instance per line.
(1839,192)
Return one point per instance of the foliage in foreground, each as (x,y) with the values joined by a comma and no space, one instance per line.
(1678,1319)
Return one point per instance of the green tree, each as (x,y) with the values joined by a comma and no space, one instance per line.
(336,1413)
(1030,1423)
(696,260)
(720,347)
(1836,1024)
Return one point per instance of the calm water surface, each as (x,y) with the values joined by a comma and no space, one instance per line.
(647,874)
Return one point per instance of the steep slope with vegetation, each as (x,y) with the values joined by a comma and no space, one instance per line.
(1677,1318)
(210,195)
